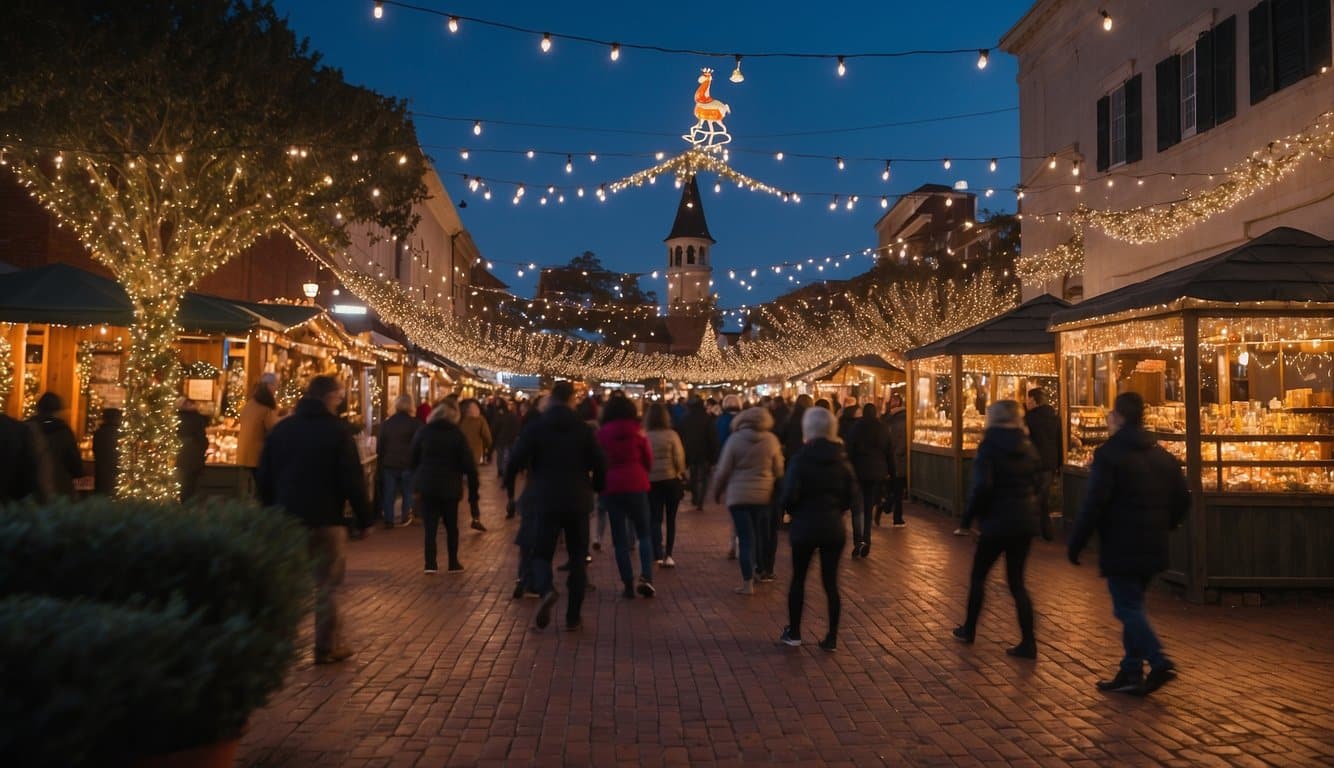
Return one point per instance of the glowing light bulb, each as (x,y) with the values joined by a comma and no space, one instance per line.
(569,164)
(658,156)
(947,163)
(463,154)
(833,204)
(1244,359)
(1106,21)
(402,159)
(615,51)
(717,188)
(477,127)
(379,11)
(737,77)
(1074,169)
(884,201)
(1051,162)
(592,158)
(530,154)
(982,58)
(884,175)
(842,67)
(778,156)
(949,201)
(453,24)
(839,162)
(546,42)
(993,165)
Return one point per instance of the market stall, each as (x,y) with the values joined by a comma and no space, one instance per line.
(1233,356)
(950,383)
(866,378)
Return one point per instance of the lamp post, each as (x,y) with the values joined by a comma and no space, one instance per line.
(311,290)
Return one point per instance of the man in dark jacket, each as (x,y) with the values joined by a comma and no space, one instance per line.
(896,420)
(18,460)
(1044,429)
(61,447)
(872,457)
(106,452)
(566,469)
(192,428)
(1136,496)
(310,468)
(504,433)
(700,440)
(394,461)
(440,458)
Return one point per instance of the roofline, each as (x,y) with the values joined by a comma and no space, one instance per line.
(952,192)
(1014,38)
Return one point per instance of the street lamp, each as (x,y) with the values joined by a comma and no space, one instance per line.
(311,290)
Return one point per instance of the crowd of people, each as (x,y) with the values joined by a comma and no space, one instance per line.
(802,465)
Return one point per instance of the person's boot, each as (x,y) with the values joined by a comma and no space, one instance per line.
(964,634)
(477,525)
(747,587)
(1027,649)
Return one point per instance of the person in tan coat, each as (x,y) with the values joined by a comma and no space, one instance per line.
(478,434)
(749,468)
(258,416)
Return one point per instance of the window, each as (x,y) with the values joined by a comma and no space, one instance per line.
(1117,135)
(690,255)
(1188,92)
(1289,41)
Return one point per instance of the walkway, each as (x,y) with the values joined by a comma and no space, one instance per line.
(450,672)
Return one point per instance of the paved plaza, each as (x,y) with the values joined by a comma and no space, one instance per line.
(449,670)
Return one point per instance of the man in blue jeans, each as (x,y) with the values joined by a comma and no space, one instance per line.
(393,451)
(1136,496)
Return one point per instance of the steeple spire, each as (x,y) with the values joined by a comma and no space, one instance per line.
(690,215)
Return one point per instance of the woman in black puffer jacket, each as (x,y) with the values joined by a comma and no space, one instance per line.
(1003,498)
(818,488)
(441,461)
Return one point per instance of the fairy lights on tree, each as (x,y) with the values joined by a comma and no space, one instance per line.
(169,135)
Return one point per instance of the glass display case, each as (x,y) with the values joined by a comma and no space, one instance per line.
(932,402)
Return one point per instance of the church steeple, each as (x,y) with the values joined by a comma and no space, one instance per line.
(690,215)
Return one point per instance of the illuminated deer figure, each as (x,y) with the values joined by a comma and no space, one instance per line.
(710,130)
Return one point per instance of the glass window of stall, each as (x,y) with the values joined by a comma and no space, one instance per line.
(932,402)
(1267,404)
(988,378)
(1141,356)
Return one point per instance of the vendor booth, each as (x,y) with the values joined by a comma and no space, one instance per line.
(866,378)
(950,383)
(1233,358)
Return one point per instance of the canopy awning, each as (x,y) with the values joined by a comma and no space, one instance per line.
(1284,266)
(64,295)
(825,370)
(1021,331)
(287,316)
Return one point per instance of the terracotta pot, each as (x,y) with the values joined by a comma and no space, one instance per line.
(221,754)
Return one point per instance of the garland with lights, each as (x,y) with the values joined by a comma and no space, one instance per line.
(1053,264)
(32,389)
(6,370)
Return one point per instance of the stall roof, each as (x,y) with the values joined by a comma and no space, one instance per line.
(1021,331)
(825,370)
(1283,265)
(285,315)
(66,295)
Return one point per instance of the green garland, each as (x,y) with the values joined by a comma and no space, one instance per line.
(6,370)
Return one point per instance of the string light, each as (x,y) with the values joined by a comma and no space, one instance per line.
(947,163)
(993,165)
(737,77)
(839,162)
(842,67)
(379,11)
(546,42)
(1053,264)
(453,25)
(615,51)
(884,175)
(477,128)
(1106,21)
(982,58)
(569,164)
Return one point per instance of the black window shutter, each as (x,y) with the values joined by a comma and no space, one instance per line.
(1104,131)
(1225,70)
(1289,18)
(1317,35)
(1204,82)
(1167,81)
(1262,53)
(1134,119)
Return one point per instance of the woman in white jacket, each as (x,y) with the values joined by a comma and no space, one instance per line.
(665,489)
(750,465)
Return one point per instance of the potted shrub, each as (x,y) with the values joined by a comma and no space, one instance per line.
(130,630)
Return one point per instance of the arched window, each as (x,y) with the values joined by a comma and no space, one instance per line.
(678,255)
(703,255)
(690,255)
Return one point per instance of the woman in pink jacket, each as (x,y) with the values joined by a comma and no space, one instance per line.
(625,496)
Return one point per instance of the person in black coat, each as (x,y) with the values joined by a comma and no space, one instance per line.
(192,429)
(19,466)
(872,457)
(504,433)
(310,468)
(791,438)
(1044,429)
(1136,495)
(566,469)
(440,459)
(1002,499)
(699,437)
(393,452)
(818,487)
(896,422)
(106,452)
(60,446)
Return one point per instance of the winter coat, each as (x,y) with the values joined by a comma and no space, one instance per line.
(257,420)
(699,436)
(724,425)
(310,467)
(192,428)
(62,453)
(791,436)
(394,448)
(1136,495)
(846,419)
(897,422)
(18,460)
(751,462)
(440,458)
(504,430)
(1003,492)
(478,435)
(565,464)
(1044,429)
(669,456)
(869,450)
(629,456)
(819,487)
(106,456)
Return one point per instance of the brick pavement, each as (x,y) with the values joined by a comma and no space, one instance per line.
(450,672)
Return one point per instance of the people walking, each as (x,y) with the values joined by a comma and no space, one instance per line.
(665,490)
(1136,495)
(310,468)
(818,488)
(393,452)
(896,419)
(700,439)
(566,469)
(1044,429)
(1002,497)
(723,424)
(504,432)
(748,469)
(872,456)
(60,448)
(19,462)
(192,428)
(258,417)
(629,459)
(106,452)
(478,434)
(439,460)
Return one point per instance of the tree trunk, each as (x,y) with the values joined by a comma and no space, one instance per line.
(149,442)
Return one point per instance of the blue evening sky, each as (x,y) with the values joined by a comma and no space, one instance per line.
(499,75)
